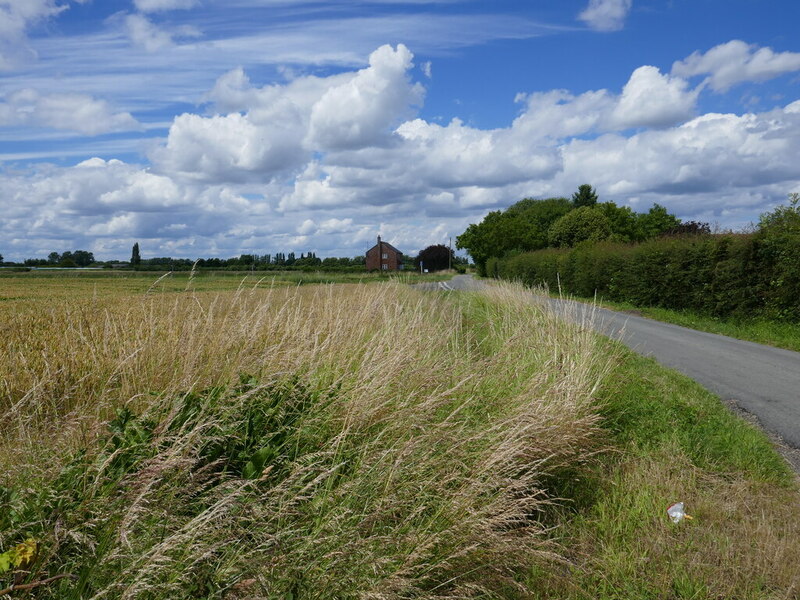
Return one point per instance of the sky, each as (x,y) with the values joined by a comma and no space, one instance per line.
(202,128)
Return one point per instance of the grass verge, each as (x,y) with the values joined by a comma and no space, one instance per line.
(674,442)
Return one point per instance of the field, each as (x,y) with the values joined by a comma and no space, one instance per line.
(68,283)
(218,437)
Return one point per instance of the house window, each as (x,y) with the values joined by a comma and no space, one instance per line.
(385,255)
(385,267)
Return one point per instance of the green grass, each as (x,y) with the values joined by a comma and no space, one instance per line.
(759,330)
(647,408)
(674,441)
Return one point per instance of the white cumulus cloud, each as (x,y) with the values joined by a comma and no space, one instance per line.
(606,15)
(651,99)
(226,148)
(70,112)
(361,111)
(735,62)
(277,128)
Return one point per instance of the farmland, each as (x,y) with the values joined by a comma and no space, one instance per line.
(230,437)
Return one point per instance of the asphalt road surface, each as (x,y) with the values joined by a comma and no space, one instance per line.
(762,380)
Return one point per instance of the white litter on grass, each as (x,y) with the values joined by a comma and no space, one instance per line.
(677,513)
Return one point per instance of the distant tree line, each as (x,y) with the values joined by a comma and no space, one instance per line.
(78,258)
(279,260)
(531,225)
(434,257)
(254,262)
(726,275)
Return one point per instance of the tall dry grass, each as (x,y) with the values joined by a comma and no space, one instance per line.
(368,441)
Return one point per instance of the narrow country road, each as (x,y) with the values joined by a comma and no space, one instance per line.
(761,380)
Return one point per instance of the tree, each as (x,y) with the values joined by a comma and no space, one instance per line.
(435,258)
(67,261)
(535,218)
(82,258)
(136,258)
(587,223)
(622,219)
(53,258)
(655,222)
(523,227)
(585,196)
(1,259)
(784,219)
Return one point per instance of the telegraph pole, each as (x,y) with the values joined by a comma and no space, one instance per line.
(450,254)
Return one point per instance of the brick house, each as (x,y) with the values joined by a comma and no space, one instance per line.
(384,257)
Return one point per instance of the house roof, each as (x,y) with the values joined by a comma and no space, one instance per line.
(386,245)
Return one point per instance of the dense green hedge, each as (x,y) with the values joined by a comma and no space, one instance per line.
(724,275)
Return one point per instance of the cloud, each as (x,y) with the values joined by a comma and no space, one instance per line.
(427,69)
(429,184)
(163,5)
(280,126)
(361,111)
(559,114)
(107,205)
(16,16)
(735,62)
(71,112)
(146,34)
(606,15)
(714,156)
(227,148)
(651,99)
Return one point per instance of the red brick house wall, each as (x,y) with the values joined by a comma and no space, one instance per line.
(384,257)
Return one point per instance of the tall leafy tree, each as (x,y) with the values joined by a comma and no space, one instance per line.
(655,222)
(136,258)
(585,196)
(587,223)
(622,220)
(523,227)
(435,258)
(82,258)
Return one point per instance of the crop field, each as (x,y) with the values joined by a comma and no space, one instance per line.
(79,283)
(221,437)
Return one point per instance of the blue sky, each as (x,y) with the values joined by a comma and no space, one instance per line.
(219,127)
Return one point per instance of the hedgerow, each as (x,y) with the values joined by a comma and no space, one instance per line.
(720,275)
